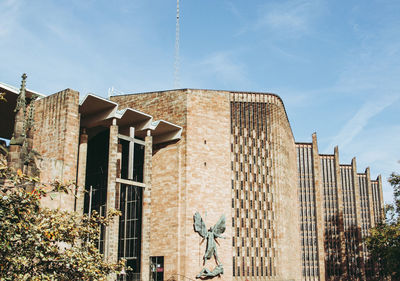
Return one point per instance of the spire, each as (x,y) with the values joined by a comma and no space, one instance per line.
(19,133)
(18,140)
(23,155)
(21,100)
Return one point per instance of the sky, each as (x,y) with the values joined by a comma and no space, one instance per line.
(335,64)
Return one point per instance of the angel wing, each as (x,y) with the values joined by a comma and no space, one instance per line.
(199,225)
(220,226)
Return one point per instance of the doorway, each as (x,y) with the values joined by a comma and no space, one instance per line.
(156,268)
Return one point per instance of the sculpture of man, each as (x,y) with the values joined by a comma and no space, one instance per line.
(211,234)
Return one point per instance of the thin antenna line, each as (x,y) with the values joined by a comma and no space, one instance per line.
(176,74)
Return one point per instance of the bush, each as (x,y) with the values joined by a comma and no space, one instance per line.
(37,243)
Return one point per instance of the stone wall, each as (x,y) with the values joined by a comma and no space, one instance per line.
(168,181)
(264,189)
(284,179)
(56,138)
(344,214)
(195,174)
(208,176)
(188,176)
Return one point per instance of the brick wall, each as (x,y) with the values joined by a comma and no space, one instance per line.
(56,139)
(283,181)
(194,174)
(168,181)
(188,176)
(208,176)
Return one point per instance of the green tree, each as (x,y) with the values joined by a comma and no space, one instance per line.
(384,240)
(37,243)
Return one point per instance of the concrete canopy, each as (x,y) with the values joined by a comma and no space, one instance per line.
(97,111)
(7,114)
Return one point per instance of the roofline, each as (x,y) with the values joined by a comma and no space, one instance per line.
(136,111)
(220,91)
(157,122)
(15,90)
(96,96)
(119,114)
(197,89)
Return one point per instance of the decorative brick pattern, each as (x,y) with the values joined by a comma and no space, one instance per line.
(308,212)
(286,219)
(195,174)
(347,210)
(332,216)
(257,189)
(350,222)
(365,220)
(252,214)
(376,200)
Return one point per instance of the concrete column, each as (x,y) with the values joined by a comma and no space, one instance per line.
(146,211)
(111,237)
(81,174)
(319,206)
(357,199)
(382,204)
(370,198)
(343,260)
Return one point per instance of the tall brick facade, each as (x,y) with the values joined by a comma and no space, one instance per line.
(188,176)
(291,213)
(56,138)
(234,145)
(334,249)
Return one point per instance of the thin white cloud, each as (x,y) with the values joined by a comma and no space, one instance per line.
(376,147)
(288,55)
(223,66)
(372,73)
(9,16)
(294,16)
(375,63)
(234,10)
(357,123)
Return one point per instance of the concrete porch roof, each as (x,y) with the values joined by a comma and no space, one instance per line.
(97,111)
(7,114)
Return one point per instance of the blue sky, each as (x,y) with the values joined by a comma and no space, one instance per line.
(336,64)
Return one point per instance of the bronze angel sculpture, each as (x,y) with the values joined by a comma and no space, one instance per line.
(211,250)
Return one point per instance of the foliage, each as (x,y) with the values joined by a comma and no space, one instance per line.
(37,243)
(394,180)
(2,97)
(384,240)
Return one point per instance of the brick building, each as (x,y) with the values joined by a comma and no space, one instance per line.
(338,206)
(291,213)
